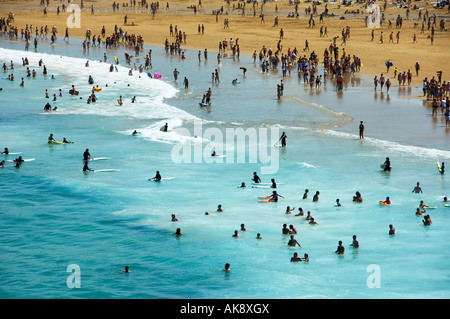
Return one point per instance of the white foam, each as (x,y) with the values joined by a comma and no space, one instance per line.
(150,93)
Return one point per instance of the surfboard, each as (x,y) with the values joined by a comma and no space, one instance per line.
(12,153)
(218,155)
(25,160)
(167,178)
(55,142)
(428,207)
(266,201)
(106,170)
(383,203)
(447,205)
(266,184)
(99,158)
(382,166)
(439,167)
(262,186)
(162,128)
(203,104)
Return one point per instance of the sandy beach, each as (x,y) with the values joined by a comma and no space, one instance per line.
(253,34)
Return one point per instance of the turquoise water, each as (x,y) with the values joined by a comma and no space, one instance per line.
(54,215)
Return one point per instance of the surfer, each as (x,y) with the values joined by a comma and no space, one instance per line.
(165,128)
(256,178)
(2,164)
(86,155)
(86,168)
(157,177)
(18,161)
(6,151)
(274,185)
(51,139)
(391,230)
(417,189)
(47,107)
(283,139)
(442,168)
(387,165)
(135,132)
(387,201)
(119,100)
(338,204)
(242,185)
(66,141)
(274,197)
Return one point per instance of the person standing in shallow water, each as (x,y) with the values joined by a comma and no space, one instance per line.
(361,130)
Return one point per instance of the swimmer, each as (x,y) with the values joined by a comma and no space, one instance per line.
(292,229)
(357,198)
(338,204)
(316,197)
(243,227)
(258,236)
(312,221)
(308,215)
(135,132)
(227,267)
(427,220)
(391,230)
(2,164)
(295,258)
(66,141)
(445,200)
(285,230)
(340,249)
(387,201)
(242,185)
(174,218)
(219,208)
(293,242)
(300,212)
(178,232)
(417,189)
(127,269)
(305,195)
(289,210)
(419,212)
(355,242)
(236,234)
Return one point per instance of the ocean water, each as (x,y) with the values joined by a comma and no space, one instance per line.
(53,215)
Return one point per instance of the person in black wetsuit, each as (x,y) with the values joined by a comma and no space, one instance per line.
(387,165)
(86,155)
(6,151)
(274,185)
(157,177)
(256,178)
(86,168)
(283,139)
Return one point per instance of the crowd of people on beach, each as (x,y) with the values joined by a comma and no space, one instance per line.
(336,65)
